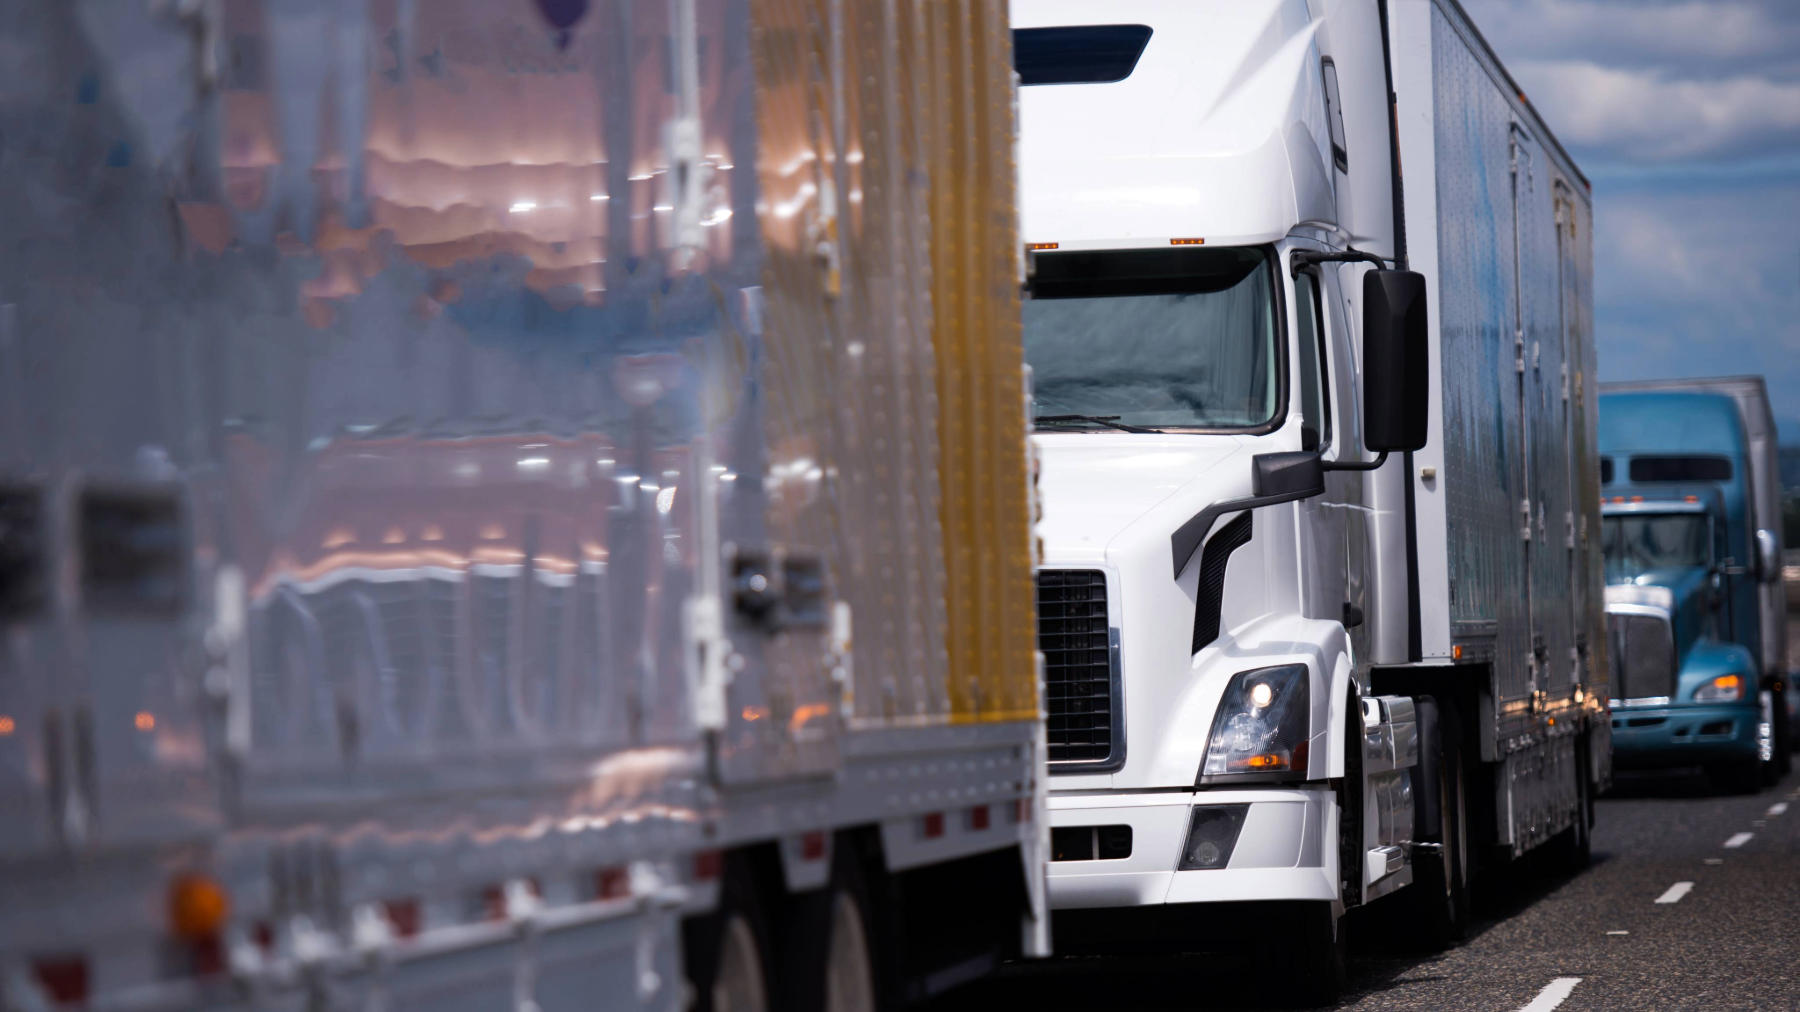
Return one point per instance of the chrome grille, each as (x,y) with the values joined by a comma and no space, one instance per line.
(1643,656)
(1078,682)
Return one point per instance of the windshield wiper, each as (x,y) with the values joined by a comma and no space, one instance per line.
(1111,421)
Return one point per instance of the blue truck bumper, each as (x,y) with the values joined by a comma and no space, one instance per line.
(1655,736)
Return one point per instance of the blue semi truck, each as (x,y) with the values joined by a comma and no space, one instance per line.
(1694,599)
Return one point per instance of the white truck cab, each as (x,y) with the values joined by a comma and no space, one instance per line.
(1230,376)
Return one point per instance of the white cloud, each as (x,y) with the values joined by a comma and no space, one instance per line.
(1700,282)
(1694,34)
(1690,109)
(1640,114)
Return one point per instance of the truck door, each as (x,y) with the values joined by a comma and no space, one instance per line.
(1325,522)
(1582,488)
(1537,426)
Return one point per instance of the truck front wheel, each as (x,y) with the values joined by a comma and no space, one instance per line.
(1318,969)
(1438,897)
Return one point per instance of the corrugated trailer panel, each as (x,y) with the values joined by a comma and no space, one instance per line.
(1483,446)
(1502,231)
(906,277)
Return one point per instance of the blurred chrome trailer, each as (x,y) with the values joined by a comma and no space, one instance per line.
(445,450)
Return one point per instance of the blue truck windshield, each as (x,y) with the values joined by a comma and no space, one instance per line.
(1167,339)
(1639,544)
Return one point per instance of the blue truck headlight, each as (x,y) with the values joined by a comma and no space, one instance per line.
(1263,724)
(1723,689)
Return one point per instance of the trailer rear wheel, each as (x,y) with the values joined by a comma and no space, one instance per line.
(727,951)
(825,940)
(849,971)
(740,984)
(1572,849)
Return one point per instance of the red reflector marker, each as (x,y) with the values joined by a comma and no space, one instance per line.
(812,846)
(708,865)
(978,817)
(63,978)
(613,883)
(403,916)
(934,825)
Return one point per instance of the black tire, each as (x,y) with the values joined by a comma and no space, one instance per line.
(1315,966)
(828,959)
(1437,902)
(727,951)
(1781,761)
(1743,777)
(1571,850)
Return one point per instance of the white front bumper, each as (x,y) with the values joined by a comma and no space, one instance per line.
(1285,851)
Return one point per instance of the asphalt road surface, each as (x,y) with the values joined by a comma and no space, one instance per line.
(1692,902)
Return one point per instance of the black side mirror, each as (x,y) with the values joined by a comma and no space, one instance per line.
(1296,474)
(1396,381)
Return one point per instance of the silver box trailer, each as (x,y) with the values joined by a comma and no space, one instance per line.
(505,504)
(1501,221)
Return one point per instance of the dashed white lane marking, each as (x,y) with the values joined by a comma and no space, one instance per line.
(1738,840)
(1553,994)
(1618,932)
(1777,808)
(1675,892)
(1714,860)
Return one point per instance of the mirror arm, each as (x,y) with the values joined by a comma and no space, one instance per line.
(1355,465)
(1306,258)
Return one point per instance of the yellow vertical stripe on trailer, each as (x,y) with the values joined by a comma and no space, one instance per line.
(892,332)
(981,422)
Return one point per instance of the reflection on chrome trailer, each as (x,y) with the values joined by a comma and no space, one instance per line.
(503,506)
(1320,603)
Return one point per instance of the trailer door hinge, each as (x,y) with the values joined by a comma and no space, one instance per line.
(707,647)
(1525,519)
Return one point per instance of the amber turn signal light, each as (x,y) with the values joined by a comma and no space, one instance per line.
(197,906)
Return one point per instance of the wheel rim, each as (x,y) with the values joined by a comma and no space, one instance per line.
(849,979)
(739,985)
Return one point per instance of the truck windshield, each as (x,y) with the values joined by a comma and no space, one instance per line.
(1167,339)
(1639,544)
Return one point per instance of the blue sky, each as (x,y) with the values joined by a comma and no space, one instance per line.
(1686,116)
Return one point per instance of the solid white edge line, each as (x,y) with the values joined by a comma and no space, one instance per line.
(1675,892)
(1553,994)
(1738,840)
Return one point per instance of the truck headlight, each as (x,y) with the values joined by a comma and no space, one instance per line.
(1723,689)
(1262,725)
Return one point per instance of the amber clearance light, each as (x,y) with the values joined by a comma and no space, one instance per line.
(197,906)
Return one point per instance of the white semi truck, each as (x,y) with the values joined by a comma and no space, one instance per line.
(511,505)
(1320,600)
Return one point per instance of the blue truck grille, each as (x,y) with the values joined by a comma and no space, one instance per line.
(1643,656)
(1078,683)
